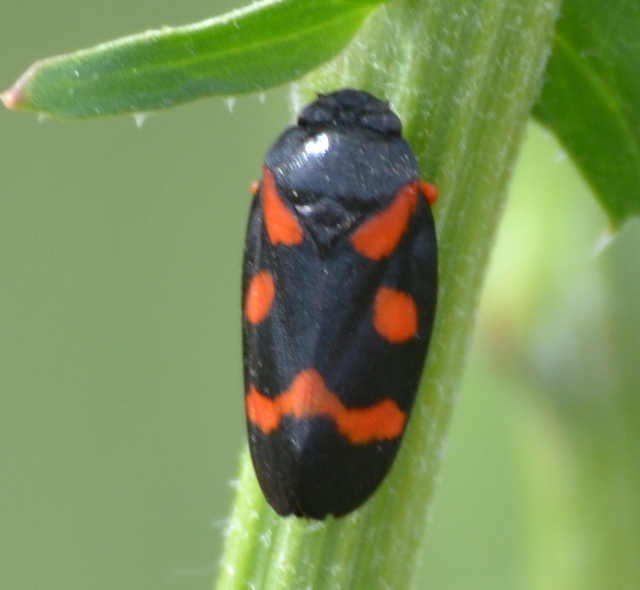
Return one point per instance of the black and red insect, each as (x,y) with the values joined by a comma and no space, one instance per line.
(339,294)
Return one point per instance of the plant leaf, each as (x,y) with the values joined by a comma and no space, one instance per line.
(591,99)
(264,45)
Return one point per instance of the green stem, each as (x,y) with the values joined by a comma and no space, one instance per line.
(462,75)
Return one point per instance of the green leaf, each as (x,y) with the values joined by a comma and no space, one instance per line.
(591,99)
(248,50)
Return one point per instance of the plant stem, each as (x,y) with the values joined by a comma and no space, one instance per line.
(462,75)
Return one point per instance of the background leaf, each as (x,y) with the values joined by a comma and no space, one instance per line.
(247,50)
(591,99)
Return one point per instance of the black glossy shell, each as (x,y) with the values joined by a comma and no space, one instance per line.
(343,164)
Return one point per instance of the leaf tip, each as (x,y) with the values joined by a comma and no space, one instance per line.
(14,98)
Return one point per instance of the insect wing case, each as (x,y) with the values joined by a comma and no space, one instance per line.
(339,294)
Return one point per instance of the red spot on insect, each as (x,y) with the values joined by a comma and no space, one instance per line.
(380,235)
(395,315)
(430,191)
(255,187)
(309,397)
(262,411)
(260,295)
(282,225)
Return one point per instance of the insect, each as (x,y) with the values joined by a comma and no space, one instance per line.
(339,295)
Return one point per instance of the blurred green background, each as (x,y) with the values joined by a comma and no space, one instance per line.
(121,413)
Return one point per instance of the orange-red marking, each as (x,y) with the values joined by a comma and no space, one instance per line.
(430,191)
(308,397)
(255,187)
(395,315)
(380,236)
(260,294)
(282,225)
